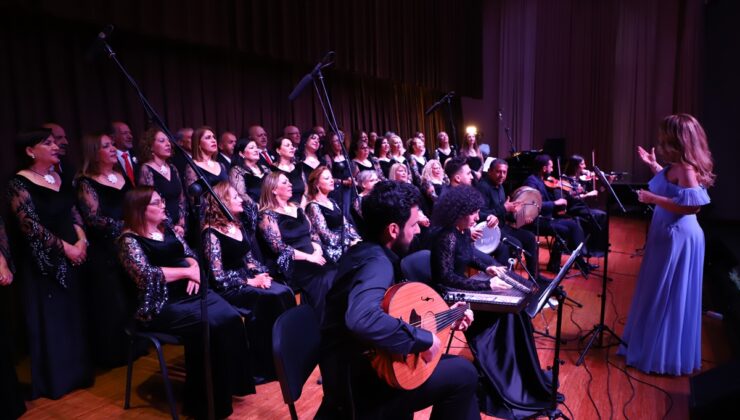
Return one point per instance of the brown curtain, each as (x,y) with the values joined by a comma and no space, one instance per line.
(600,74)
(230,64)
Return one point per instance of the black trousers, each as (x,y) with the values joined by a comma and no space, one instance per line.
(229,350)
(567,229)
(450,390)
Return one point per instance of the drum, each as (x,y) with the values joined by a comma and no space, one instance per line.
(490,240)
(530,201)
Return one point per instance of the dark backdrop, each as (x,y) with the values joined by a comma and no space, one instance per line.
(230,64)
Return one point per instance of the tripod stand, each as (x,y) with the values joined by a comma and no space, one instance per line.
(599,329)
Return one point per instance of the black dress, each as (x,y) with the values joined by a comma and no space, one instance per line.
(296,180)
(52,293)
(342,194)
(232,263)
(109,295)
(442,156)
(247,184)
(385,166)
(332,228)
(514,385)
(170,190)
(475,163)
(282,235)
(11,398)
(166,307)
(195,222)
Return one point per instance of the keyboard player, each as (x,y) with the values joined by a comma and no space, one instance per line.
(499,341)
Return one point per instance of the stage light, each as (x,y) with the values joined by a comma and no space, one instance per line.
(471,129)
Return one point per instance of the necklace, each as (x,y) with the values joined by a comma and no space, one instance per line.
(210,163)
(163,169)
(112,178)
(156,235)
(49,178)
(231,229)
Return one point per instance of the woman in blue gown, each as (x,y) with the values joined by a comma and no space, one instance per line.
(663,330)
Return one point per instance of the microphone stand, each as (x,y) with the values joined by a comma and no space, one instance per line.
(330,117)
(599,329)
(448,100)
(156,119)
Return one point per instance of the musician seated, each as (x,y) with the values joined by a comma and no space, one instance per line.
(354,324)
(593,221)
(567,232)
(497,204)
(513,384)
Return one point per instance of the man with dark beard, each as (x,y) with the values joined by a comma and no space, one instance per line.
(355,325)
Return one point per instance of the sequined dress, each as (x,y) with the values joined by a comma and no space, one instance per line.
(109,295)
(232,263)
(166,307)
(332,228)
(51,289)
(513,384)
(281,236)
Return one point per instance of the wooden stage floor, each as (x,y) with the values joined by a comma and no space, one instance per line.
(600,388)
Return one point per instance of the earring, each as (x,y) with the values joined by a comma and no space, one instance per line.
(33,156)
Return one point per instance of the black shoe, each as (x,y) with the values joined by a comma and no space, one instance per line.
(593,266)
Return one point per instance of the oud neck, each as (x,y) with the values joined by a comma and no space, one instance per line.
(446,318)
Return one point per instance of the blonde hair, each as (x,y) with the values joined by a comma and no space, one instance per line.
(213,214)
(268,200)
(426,173)
(394,168)
(682,139)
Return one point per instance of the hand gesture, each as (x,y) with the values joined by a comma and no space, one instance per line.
(497,284)
(491,221)
(429,354)
(645,196)
(467,319)
(646,157)
(6,276)
(262,280)
(476,233)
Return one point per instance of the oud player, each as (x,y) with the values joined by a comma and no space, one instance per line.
(355,326)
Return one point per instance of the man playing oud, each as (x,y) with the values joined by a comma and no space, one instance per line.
(355,325)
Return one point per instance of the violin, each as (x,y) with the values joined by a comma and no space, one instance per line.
(554,183)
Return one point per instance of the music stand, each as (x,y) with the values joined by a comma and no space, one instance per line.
(599,329)
(535,306)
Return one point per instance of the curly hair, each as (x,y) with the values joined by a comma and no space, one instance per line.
(682,139)
(456,202)
(213,214)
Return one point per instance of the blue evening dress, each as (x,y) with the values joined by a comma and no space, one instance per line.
(663,330)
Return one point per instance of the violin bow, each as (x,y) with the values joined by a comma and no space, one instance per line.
(593,165)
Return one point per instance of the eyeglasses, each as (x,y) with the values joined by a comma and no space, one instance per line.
(157,203)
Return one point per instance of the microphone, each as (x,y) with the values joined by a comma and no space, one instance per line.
(308,78)
(515,246)
(105,33)
(99,42)
(449,95)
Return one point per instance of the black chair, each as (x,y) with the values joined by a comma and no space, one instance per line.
(157,339)
(296,346)
(418,266)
